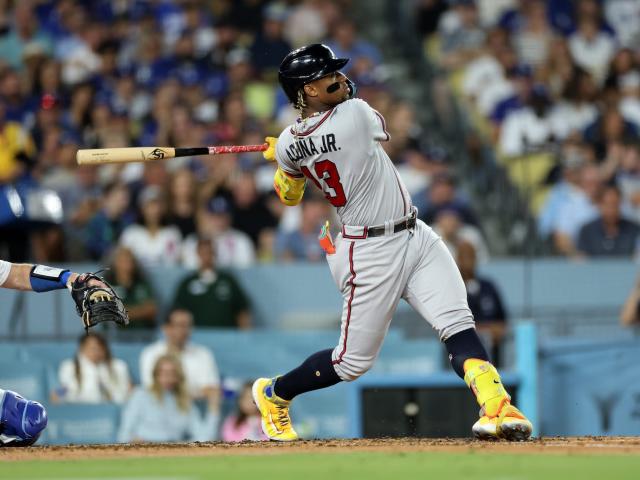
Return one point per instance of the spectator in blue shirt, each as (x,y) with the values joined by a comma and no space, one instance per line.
(104,229)
(302,244)
(164,412)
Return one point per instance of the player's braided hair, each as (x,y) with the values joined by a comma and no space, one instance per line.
(300,102)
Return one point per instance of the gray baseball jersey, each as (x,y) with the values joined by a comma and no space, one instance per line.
(5,268)
(339,150)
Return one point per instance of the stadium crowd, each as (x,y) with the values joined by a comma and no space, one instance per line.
(178,73)
(560,77)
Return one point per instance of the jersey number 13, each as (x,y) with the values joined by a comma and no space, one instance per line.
(327,172)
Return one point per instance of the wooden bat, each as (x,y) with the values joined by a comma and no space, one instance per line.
(98,156)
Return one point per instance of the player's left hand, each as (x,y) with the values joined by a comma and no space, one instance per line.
(270,153)
(96,301)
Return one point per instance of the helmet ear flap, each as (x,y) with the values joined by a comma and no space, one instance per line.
(352,88)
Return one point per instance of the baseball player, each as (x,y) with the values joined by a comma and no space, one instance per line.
(21,420)
(382,254)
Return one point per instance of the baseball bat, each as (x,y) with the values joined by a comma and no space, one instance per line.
(98,156)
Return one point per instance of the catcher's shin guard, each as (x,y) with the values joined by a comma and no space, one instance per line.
(498,418)
(276,423)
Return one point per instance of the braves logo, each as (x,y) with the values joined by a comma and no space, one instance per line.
(156,154)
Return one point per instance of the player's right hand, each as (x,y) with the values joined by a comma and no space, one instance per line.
(270,153)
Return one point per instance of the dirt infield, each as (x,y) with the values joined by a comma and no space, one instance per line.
(555,445)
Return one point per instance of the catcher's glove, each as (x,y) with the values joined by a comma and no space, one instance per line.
(96,301)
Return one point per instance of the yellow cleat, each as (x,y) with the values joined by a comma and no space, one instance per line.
(510,424)
(498,418)
(276,423)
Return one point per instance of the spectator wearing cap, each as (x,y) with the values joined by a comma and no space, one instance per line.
(212,296)
(233,247)
(302,244)
(528,128)
(448,224)
(442,195)
(152,243)
(609,234)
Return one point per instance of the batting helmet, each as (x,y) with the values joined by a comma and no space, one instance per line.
(305,65)
(21,420)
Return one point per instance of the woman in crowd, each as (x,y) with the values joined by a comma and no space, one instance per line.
(183,195)
(134,290)
(151,241)
(245,423)
(164,412)
(93,375)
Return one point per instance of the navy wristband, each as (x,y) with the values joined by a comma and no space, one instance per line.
(45,279)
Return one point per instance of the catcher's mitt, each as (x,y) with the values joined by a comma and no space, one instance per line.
(97,302)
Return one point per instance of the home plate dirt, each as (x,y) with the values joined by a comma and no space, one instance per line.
(559,445)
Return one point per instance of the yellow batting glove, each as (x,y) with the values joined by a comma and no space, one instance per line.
(270,153)
(289,189)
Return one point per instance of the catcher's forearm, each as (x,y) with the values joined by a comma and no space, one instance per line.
(39,278)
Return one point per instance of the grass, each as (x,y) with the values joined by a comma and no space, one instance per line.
(333,466)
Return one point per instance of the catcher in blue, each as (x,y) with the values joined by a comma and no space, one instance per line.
(383,253)
(21,420)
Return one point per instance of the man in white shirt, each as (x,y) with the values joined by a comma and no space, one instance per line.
(198,363)
(234,249)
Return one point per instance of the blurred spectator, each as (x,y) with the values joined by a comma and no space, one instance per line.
(183,198)
(233,248)
(132,287)
(624,17)
(345,43)
(151,242)
(527,129)
(609,234)
(592,48)
(93,375)
(105,227)
(577,208)
(213,297)
(533,38)
(302,243)
(25,33)
(574,155)
(461,35)
(484,300)
(448,224)
(245,423)
(200,369)
(269,46)
(17,147)
(250,210)
(609,128)
(442,195)
(163,411)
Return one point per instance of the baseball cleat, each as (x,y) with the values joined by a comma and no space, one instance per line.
(276,423)
(510,424)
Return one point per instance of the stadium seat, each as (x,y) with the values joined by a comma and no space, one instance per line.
(82,424)
(26,378)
